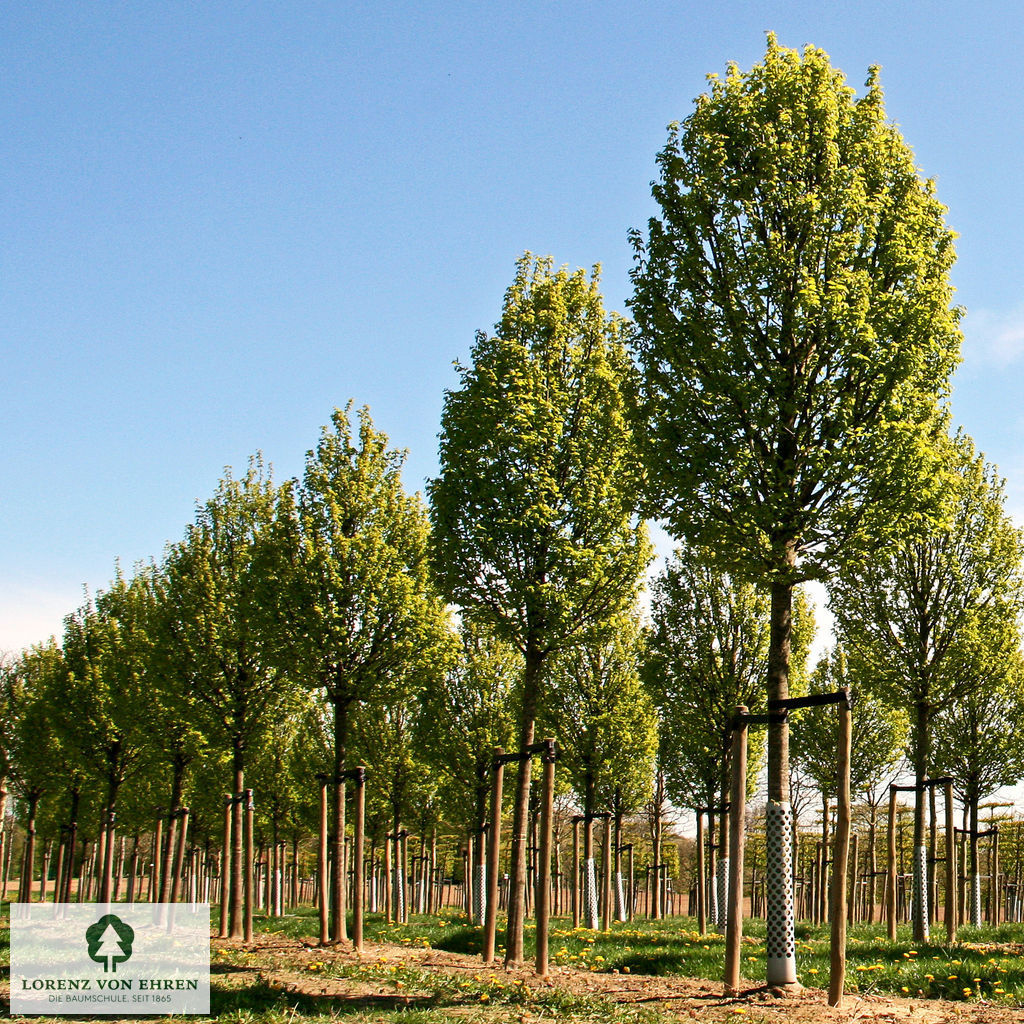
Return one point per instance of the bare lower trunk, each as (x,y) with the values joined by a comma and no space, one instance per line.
(920,853)
(781,936)
(517,869)
(235,895)
(339,911)
(873,854)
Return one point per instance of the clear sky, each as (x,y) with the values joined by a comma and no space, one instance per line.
(221,220)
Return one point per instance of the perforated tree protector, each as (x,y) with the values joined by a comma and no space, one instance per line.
(976,900)
(620,898)
(781,925)
(590,893)
(399,895)
(479,893)
(722,895)
(920,910)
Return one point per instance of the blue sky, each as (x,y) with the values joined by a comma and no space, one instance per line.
(222,220)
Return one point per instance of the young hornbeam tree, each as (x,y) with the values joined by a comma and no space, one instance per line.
(385,738)
(356,599)
(174,737)
(606,727)
(535,527)
(708,652)
(101,714)
(7,677)
(469,713)
(878,741)
(273,776)
(37,757)
(977,742)
(796,338)
(930,619)
(219,589)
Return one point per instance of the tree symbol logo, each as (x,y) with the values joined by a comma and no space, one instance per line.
(110,941)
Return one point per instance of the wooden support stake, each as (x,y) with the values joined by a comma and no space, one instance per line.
(606,876)
(852,902)
(225,865)
(951,884)
(250,809)
(737,816)
(575,873)
(890,891)
(544,872)
(339,917)
(840,856)
(179,855)
(107,889)
(702,892)
(493,850)
(359,827)
(323,888)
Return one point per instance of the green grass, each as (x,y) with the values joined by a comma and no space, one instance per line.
(987,964)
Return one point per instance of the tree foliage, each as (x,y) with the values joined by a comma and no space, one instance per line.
(604,721)
(794,319)
(796,336)
(931,619)
(534,525)
(879,735)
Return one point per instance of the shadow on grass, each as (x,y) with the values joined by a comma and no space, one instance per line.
(659,963)
(464,940)
(261,997)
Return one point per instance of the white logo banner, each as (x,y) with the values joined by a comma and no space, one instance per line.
(116,958)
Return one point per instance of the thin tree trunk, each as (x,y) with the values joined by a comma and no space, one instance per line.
(339,910)
(781,935)
(872,860)
(920,859)
(236,926)
(532,677)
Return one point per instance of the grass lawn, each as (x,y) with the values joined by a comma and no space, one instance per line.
(279,979)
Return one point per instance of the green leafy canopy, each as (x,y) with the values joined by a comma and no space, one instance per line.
(795,327)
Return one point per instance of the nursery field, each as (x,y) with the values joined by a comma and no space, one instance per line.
(428,972)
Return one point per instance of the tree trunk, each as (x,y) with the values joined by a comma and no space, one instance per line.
(872,860)
(920,861)
(659,797)
(973,800)
(480,842)
(28,861)
(823,890)
(781,934)
(236,929)
(722,870)
(339,915)
(532,678)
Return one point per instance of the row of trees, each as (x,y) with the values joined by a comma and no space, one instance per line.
(783,410)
